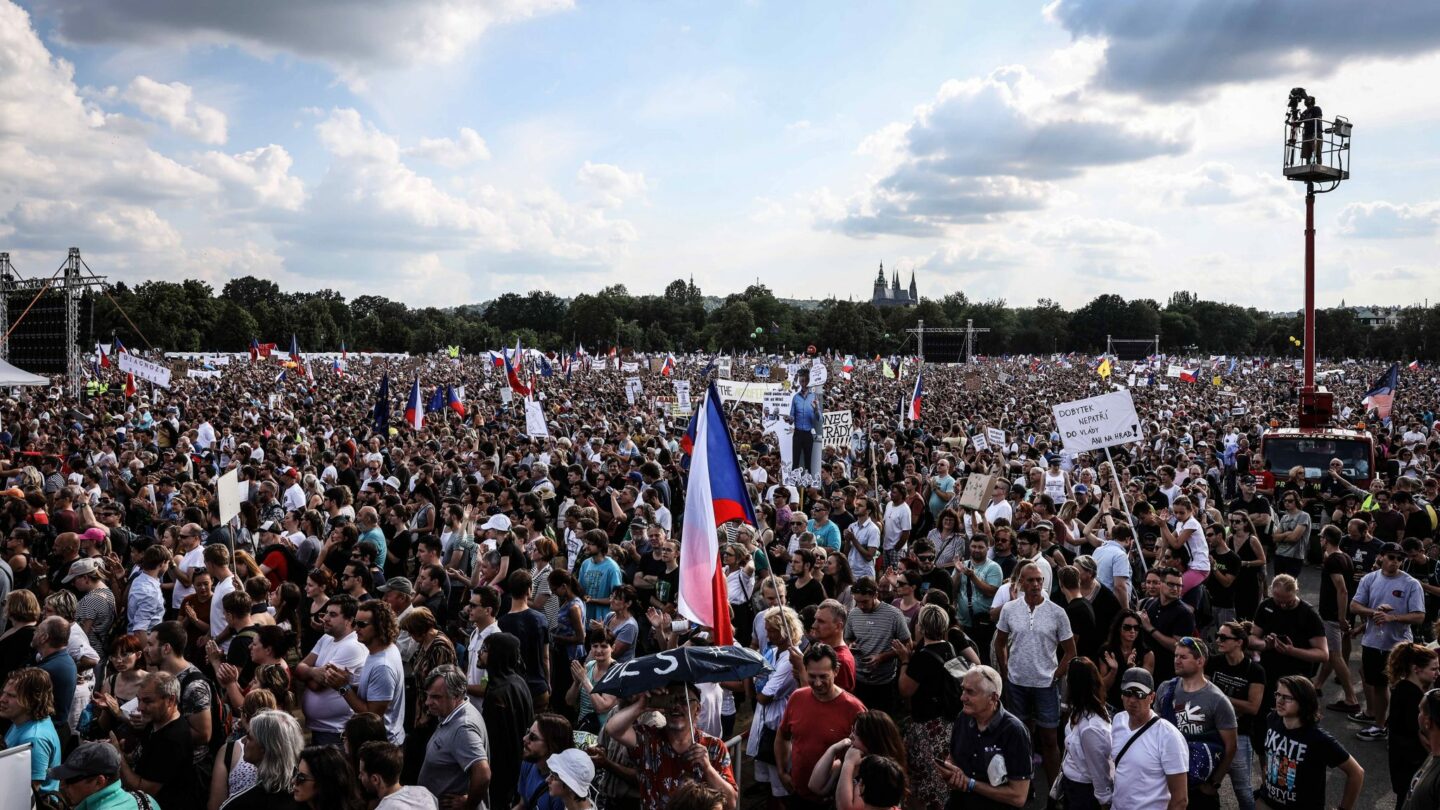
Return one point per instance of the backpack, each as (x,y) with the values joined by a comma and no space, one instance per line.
(952,683)
(220,718)
(295,570)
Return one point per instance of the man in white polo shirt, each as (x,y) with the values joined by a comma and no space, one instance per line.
(1152,761)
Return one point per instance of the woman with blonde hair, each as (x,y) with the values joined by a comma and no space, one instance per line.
(783,631)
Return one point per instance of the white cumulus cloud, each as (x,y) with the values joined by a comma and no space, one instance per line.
(174,104)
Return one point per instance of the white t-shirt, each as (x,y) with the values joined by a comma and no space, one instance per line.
(1140,777)
(867,534)
(294,498)
(194,558)
(1196,545)
(327,710)
(383,678)
(474,674)
(897,520)
(217,609)
(995,511)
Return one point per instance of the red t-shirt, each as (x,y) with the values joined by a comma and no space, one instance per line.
(812,727)
(661,770)
(845,678)
(279,567)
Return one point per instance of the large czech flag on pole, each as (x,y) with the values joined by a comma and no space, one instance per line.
(913,413)
(414,408)
(715,494)
(1381,397)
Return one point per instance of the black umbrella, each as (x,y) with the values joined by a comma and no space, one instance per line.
(681,665)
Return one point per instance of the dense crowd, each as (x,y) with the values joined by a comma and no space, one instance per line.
(420,619)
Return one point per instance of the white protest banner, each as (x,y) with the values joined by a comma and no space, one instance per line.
(202,374)
(738,391)
(682,396)
(633,389)
(979,442)
(228,490)
(818,373)
(153,373)
(535,419)
(722,367)
(996,437)
(506,395)
(1098,422)
(1174,371)
(776,405)
(836,429)
(629,368)
(598,363)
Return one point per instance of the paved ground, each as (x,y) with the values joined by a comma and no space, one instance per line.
(1376,794)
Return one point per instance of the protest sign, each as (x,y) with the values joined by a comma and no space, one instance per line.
(836,429)
(996,437)
(506,395)
(762,372)
(535,419)
(722,367)
(682,396)
(738,391)
(228,490)
(634,391)
(1097,422)
(977,490)
(630,368)
(818,373)
(979,442)
(153,373)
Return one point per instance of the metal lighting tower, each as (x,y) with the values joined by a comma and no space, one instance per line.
(1316,152)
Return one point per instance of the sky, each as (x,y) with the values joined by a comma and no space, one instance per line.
(443,152)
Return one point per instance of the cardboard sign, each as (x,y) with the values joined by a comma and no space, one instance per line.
(1097,422)
(836,427)
(977,490)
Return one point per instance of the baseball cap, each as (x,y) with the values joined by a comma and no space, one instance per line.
(1081,489)
(94,534)
(498,523)
(1391,548)
(84,567)
(398,585)
(88,759)
(1248,480)
(1044,524)
(574,768)
(1138,678)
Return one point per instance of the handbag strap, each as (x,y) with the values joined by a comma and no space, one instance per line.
(1133,737)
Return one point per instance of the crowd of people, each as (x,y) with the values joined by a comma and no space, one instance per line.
(404,618)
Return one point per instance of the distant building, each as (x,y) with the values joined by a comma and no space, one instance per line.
(893,296)
(1377,317)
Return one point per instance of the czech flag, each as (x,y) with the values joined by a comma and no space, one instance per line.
(344,355)
(1414,364)
(104,358)
(668,367)
(1188,375)
(338,367)
(414,409)
(716,494)
(498,359)
(129,385)
(294,349)
(512,373)
(382,405)
(915,396)
(452,400)
(1381,396)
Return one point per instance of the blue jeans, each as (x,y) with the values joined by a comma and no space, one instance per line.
(1040,703)
(1240,773)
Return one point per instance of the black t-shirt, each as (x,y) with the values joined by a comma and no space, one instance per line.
(650,567)
(1234,680)
(1222,596)
(1296,762)
(937,580)
(802,596)
(1106,608)
(1174,620)
(1388,524)
(667,587)
(239,654)
(1083,626)
(1417,525)
(1301,623)
(1363,555)
(927,668)
(166,757)
(529,627)
(1259,506)
(1337,562)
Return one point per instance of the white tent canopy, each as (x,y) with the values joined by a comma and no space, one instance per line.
(12,376)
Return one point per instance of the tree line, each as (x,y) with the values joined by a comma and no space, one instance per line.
(190,316)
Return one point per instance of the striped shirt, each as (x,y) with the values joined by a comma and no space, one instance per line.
(870,634)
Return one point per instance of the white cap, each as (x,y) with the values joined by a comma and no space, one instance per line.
(574,768)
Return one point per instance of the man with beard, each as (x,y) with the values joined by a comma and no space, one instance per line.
(677,754)
(978,579)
